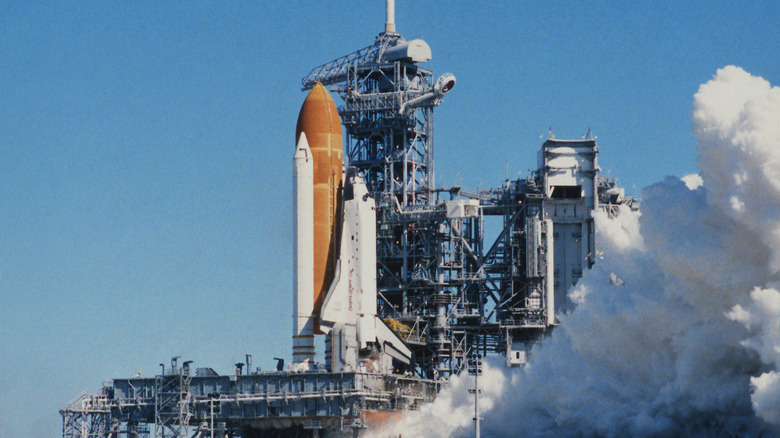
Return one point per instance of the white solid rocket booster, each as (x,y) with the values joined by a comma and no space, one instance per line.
(303,192)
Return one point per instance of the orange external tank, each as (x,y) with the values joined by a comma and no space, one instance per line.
(320,120)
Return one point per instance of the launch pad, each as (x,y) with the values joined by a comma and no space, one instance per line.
(433,292)
(202,404)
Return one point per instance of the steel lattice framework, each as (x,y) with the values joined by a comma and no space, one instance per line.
(446,292)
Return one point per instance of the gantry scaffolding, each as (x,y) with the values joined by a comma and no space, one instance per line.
(445,291)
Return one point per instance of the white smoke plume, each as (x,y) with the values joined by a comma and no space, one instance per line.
(687,342)
(762,318)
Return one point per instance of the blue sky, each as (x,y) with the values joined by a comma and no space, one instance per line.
(146,154)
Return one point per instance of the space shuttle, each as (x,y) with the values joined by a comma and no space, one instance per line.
(335,253)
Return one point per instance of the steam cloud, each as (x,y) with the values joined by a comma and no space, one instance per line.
(688,343)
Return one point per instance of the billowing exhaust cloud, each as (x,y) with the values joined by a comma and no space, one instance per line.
(676,330)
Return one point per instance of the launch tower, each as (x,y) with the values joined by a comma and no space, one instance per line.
(446,292)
